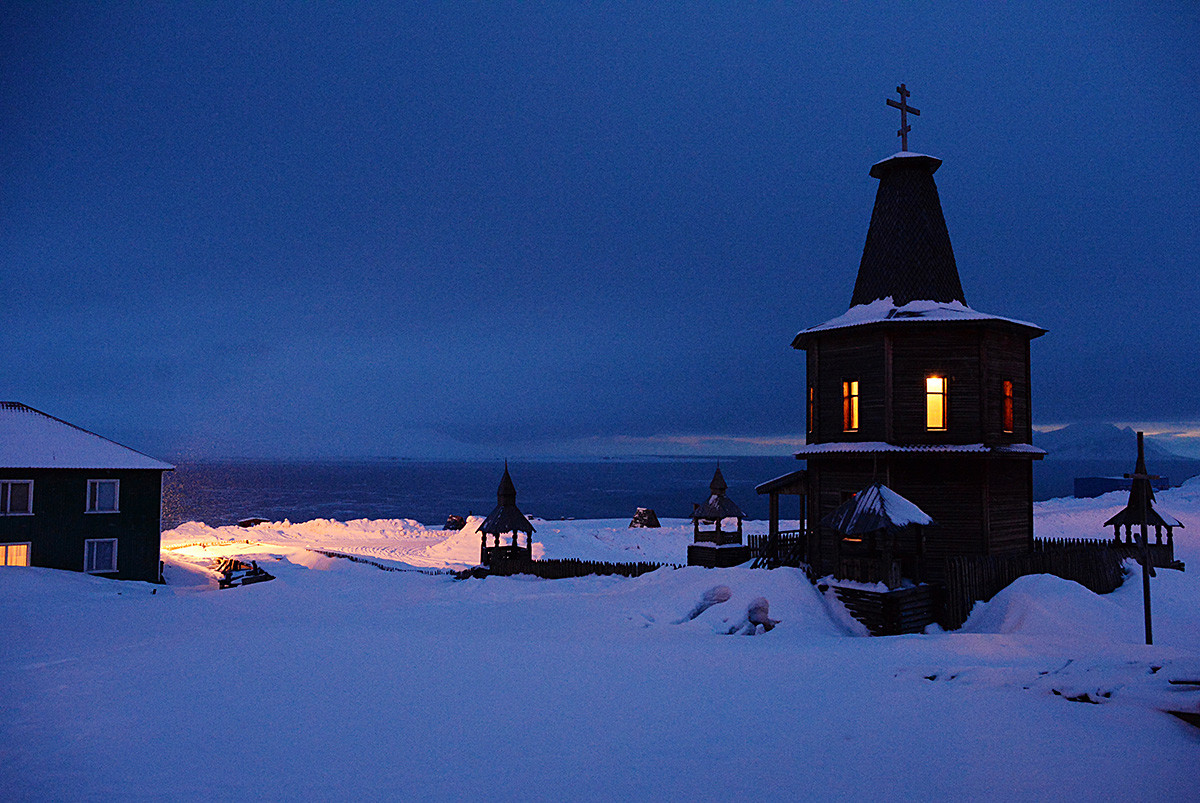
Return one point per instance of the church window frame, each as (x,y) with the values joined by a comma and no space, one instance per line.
(850,407)
(937,403)
(1007,420)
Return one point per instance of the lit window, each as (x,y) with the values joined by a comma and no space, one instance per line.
(14,554)
(935,402)
(103,496)
(16,497)
(1008,407)
(812,407)
(100,555)
(850,405)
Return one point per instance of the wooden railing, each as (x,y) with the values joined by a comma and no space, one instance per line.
(787,548)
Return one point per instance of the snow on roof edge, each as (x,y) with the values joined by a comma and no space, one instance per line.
(884,310)
(32,439)
(870,447)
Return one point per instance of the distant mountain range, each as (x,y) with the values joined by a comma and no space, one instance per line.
(1099,442)
(1100,450)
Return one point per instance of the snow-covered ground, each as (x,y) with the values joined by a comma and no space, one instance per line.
(338,680)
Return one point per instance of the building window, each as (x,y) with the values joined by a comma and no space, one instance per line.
(103,496)
(812,408)
(1008,407)
(850,405)
(14,554)
(16,497)
(100,555)
(935,403)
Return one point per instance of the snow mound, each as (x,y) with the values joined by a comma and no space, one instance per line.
(1048,606)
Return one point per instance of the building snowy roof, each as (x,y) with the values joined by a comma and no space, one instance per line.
(30,438)
(719,506)
(907,255)
(506,517)
(885,310)
(876,507)
(881,447)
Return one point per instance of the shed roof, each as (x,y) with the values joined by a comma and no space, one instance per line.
(32,439)
(876,507)
(790,483)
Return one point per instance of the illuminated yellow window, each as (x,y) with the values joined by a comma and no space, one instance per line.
(14,554)
(935,402)
(850,405)
(812,407)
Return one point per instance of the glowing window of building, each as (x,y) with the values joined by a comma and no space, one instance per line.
(14,554)
(1008,407)
(935,403)
(812,407)
(850,405)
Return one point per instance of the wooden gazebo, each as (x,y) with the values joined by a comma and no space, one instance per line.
(506,519)
(1141,508)
(882,536)
(717,547)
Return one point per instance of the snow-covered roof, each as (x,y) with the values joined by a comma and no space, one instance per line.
(876,507)
(31,439)
(883,310)
(881,447)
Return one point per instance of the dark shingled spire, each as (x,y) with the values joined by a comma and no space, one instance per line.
(506,494)
(718,484)
(507,517)
(907,255)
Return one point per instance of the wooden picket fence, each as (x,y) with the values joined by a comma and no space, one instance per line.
(559,569)
(1094,565)
(1162,554)
(385,567)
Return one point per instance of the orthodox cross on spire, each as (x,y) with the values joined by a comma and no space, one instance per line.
(904,110)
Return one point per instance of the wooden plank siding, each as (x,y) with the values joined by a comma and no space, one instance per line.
(891,365)
(980,504)
(60,524)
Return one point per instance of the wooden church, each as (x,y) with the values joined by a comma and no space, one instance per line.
(914,389)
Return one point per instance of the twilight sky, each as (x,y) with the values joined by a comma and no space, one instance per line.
(456,230)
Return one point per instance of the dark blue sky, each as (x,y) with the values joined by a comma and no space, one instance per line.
(293,229)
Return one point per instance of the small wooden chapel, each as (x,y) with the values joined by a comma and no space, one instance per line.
(914,389)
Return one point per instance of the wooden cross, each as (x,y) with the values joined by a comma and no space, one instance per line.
(904,110)
(1147,564)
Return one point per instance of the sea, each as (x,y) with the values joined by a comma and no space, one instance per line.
(223,492)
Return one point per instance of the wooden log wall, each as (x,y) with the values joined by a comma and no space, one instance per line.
(892,613)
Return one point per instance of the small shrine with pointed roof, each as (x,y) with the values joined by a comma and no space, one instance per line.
(717,546)
(1140,509)
(913,388)
(505,519)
